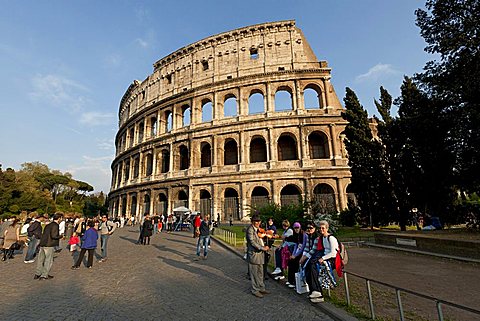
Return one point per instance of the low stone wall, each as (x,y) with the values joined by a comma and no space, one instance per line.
(461,248)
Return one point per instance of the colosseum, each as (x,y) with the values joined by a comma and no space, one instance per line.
(229,122)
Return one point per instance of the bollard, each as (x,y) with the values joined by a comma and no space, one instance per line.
(370,300)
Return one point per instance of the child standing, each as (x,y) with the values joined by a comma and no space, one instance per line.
(73,242)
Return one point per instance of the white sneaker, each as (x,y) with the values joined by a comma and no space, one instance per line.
(314,295)
(277,271)
(291,286)
(317,300)
(280,277)
(287,283)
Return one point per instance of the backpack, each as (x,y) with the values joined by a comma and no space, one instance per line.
(341,252)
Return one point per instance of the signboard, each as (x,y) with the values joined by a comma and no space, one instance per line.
(407,242)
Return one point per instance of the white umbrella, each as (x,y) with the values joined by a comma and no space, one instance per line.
(181,209)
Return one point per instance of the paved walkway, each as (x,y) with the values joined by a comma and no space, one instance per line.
(157,282)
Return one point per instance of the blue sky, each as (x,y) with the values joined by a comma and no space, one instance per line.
(65,65)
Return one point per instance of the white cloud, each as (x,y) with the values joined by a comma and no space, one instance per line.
(59,92)
(142,43)
(377,72)
(113,60)
(106,144)
(93,170)
(94,118)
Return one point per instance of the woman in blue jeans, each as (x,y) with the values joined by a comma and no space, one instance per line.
(89,243)
(204,237)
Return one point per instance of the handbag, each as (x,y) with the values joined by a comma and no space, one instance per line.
(300,285)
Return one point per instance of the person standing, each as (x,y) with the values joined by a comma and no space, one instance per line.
(89,243)
(106,229)
(256,257)
(34,235)
(196,225)
(155,224)
(61,230)
(50,238)
(147,229)
(204,236)
(11,235)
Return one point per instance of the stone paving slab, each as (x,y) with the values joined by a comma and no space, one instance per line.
(161,281)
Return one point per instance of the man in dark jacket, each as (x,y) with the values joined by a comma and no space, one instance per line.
(34,236)
(50,238)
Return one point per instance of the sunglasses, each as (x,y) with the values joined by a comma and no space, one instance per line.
(310,227)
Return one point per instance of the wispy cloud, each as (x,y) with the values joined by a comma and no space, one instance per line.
(142,14)
(94,170)
(94,118)
(377,72)
(142,43)
(106,144)
(59,92)
(113,60)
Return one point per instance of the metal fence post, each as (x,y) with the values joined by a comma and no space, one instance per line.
(400,307)
(370,300)
(347,290)
(439,311)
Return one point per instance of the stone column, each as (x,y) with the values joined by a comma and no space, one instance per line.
(170,164)
(326,86)
(333,138)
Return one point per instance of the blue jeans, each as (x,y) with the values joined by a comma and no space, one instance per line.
(155,228)
(44,261)
(103,242)
(32,248)
(204,240)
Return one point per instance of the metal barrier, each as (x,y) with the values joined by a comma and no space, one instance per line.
(398,291)
(227,236)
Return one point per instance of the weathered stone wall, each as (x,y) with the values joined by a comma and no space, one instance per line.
(166,114)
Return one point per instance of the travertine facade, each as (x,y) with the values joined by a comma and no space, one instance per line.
(232,120)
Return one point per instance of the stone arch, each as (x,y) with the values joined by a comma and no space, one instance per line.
(287,147)
(141,131)
(146,204)
(290,194)
(162,203)
(230,106)
(184,159)
(231,203)
(133,205)
(258,150)
(168,118)
(324,198)
(318,145)
(148,164)
(182,198)
(205,202)
(164,160)
(312,96)
(259,196)
(230,152)
(205,155)
(283,99)
(207,110)
(186,115)
(256,102)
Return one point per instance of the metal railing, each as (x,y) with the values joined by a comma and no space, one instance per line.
(438,302)
(227,236)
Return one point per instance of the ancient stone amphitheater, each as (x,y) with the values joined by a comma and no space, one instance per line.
(229,122)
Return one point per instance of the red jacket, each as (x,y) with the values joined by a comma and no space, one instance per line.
(197,222)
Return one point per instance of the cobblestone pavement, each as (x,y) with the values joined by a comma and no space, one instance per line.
(161,281)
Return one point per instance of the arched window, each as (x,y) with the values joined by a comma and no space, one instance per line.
(230,106)
(136,166)
(287,148)
(127,171)
(312,98)
(290,194)
(162,204)
(230,155)
(153,126)
(256,103)
(324,198)
(231,204)
(141,129)
(184,159)
(186,115)
(131,137)
(205,202)
(182,199)
(259,197)
(207,110)
(146,204)
(206,155)
(258,150)
(283,100)
(133,207)
(149,164)
(165,165)
(318,145)
(169,123)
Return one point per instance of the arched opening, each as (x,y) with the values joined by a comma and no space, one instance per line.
(230,106)
(318,145)
(186,115)
(283,100)
(148,164)
(351,197)
(153,126)
(290,194)
(231,204)
(324,198)
(136,166)
(206,155)
(184,159)
(169,121)
(133,206)
(162,204)
(258,150)
(182,199)
(131,137)
(165,165)
(287,148)
(205,202)
(141,130)
(256,103)
(312,97)
(146,205)
(126,172)
(230,155)
(124,206)
(207,110)
(259,197)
